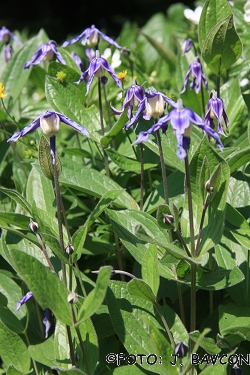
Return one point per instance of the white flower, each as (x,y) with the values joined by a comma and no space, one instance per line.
(247,11)
(193,15)
(115,58)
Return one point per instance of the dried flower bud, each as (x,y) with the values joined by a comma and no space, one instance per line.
(208,187)
(33,226)
(180,349)
(168,219)
(72,297)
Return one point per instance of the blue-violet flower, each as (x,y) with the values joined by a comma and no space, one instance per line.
(91,36)
(78,61)
(180,119)
(23,300)
(152,105)
(186,46)
(98,67)
(46,322)
(134,96)
(50,124)
(195,70)
(216,111)
(8,52)
(46,52)
(6,35)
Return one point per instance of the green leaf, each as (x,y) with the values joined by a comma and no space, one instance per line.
(222,47)
(93,182)
(212,13)
(234,319)
(19,220)
(127,163)
(14,77)
(43,352)
(67,99)
(47,289)
(119,125)
(207,343)
(45,159)
(17,197)
(150,269)
(96,296)
(141,289)
(164,51)
(13,351)
(71,74)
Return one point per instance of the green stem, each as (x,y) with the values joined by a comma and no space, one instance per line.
(190,206)
(247,277)
(45,253)
(205,206)
(165,324)
(80,280)
(142,177)
(181,304)
(211,294)
(33,361)
(118,256)
(102,126)
(218,86)
(163,168)
(86,361)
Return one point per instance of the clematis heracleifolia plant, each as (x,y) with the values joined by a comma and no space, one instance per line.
(46,52)
(134,96)
(23,300)
(181,120)
(195,72)
(50,124)
(216,111)
(91,36)
(152,105)
(97,68)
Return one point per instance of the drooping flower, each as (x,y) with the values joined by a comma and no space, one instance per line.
(180,349)
(91,36)
(152,105)
(180,119)
(186,46)
(6,35)
(197,75)
(8,52)
(2,89)
(216,111)
(193,15)
(78,61)
(98,67)
(50,124)
(134,96)
(46,52)
(46,322)
(23,300)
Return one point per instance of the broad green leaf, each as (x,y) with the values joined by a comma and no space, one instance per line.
(71,74)
(150,269)
(45,160)
(61,346)
(207,343)
(47,289)
(39,191)
(12,371)
(14,77)
(141,289)
(238,192)
(164,51)
(70,62)
(216,369)
(92,182)
(12,292)
(72,371)
(222,47)
(18,198)
(18,220)
(126,370)
(127,163)
(111,134)
(234,319)
(238,159)
(212,13)
(78,240)
(67,99)
(43,352)
(96,296)
(13,351)
(214,218)
(11,321)
(53,243)
(87,361)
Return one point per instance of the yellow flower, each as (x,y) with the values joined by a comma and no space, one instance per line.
(122,75)
(60,76)
(2,94)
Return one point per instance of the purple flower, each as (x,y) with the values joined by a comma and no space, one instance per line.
(6,35)
(180,119)
(186,46)
(89,53)
(8,52)
(78,61)
(46,52)
(134,96)
(216,111)
(195,70)
(50,124)
(152,105)
(91,37)
(23,300)
(46,322)
(98,67)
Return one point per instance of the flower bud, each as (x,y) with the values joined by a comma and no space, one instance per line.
(155,105)
(50,124)
(235,370)
(72,297)
(180,349)
(69,249)
(168,219)
(33,226)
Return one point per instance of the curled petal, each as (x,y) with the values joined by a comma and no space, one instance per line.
(23,300)
(142,137)
(73,124)
(58,55)
(33,126)
(140,109)
(46,322)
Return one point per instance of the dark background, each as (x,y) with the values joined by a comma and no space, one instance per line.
(61,19)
